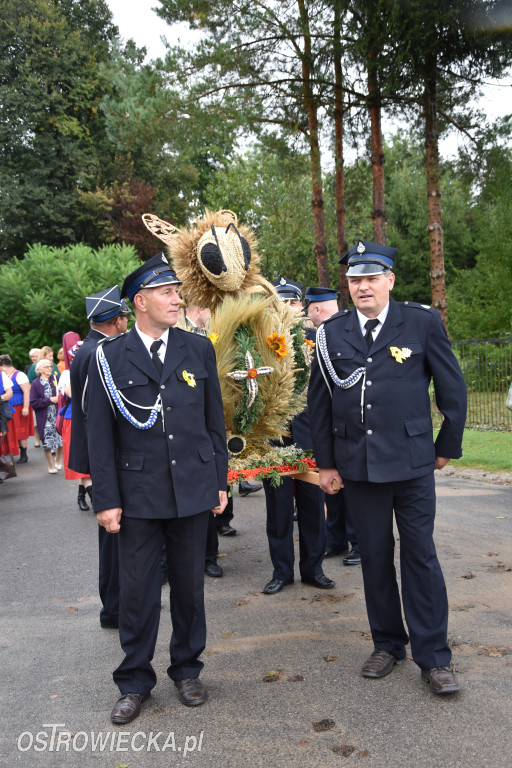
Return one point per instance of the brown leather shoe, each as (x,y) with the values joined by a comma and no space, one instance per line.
(380,663)
(191,691)
(440,680)
(127,708)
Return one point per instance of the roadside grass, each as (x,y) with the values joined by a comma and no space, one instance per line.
(490,451)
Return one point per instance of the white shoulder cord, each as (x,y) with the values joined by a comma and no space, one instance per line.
(116,397)
(326,361)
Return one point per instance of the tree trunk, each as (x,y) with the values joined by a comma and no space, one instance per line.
(435,221)
(338,155)
(379,205)
(314,152)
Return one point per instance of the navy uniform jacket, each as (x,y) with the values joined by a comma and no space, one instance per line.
(78,454)
(132,468)
(395,441)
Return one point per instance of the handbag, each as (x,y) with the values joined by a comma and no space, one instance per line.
(7,410)
(7,468)
(62,407)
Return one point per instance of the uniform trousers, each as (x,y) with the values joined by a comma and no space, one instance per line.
(340,530)
(140,546)
(311,522)
(108,547)
(424,597)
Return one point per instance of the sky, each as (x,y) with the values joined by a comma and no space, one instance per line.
(137,20)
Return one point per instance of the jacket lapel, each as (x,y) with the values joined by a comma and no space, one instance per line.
(391,328)
(174,353)
(138,355)
(353,333)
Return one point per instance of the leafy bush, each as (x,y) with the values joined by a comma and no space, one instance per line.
(42,296)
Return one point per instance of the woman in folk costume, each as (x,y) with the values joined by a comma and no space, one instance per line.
(23,418)
(43,399)
(70,343)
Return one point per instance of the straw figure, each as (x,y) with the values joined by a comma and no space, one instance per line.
(262,358)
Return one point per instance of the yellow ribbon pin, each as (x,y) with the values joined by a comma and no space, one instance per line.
(400,354)
(189,378)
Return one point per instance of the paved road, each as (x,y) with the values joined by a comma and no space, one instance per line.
(56,661)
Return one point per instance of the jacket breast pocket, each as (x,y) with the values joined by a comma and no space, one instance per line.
(421,442)
(130,461)
(192,375)
(342,359)
(406,359)
(128,380)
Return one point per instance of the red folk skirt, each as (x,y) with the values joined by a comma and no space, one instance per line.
(69,474)
(24,425)
(13,440)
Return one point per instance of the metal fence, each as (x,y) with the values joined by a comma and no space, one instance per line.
(487,368)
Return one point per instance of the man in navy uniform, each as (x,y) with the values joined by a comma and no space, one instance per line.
(369,400)
(321,303)
(108,316)
(309,499)
(157,447)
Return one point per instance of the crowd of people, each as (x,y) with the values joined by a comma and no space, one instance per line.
(142,409)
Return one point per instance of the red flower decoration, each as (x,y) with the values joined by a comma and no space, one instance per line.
(252,373)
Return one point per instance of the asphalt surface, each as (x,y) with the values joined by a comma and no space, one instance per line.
(56,661)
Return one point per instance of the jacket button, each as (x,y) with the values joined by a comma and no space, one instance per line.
(171,437)
(339,354)
(369,432)
(162,386)
(369,359)
(127,465)
(168,408)
(130,382)
(368,383)
(335,429)
(369,406)
(173,462)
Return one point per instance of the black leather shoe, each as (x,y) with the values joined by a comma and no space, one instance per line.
(335,552)
(353,558)
(213,570)
(109,625)
(127,708)
(192,692)
(226,530)
(380,663)
(245,488)
(320,580)
(440,680)
(275,585)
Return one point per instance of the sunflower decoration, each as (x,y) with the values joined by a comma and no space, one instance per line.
(277,343)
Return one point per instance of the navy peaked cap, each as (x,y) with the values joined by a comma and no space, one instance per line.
(320,294)
(288,289)
(105,305)
(157,271)
(367,258)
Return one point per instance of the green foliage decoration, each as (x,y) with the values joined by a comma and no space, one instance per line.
(244,417)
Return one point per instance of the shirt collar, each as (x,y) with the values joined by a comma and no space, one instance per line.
(380,317)
(148,340)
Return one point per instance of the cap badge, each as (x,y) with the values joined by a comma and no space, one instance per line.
(400,354)
(189,378)
(282,281)
(360,247)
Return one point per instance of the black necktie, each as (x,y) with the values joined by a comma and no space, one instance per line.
(370,325)
(154,355)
